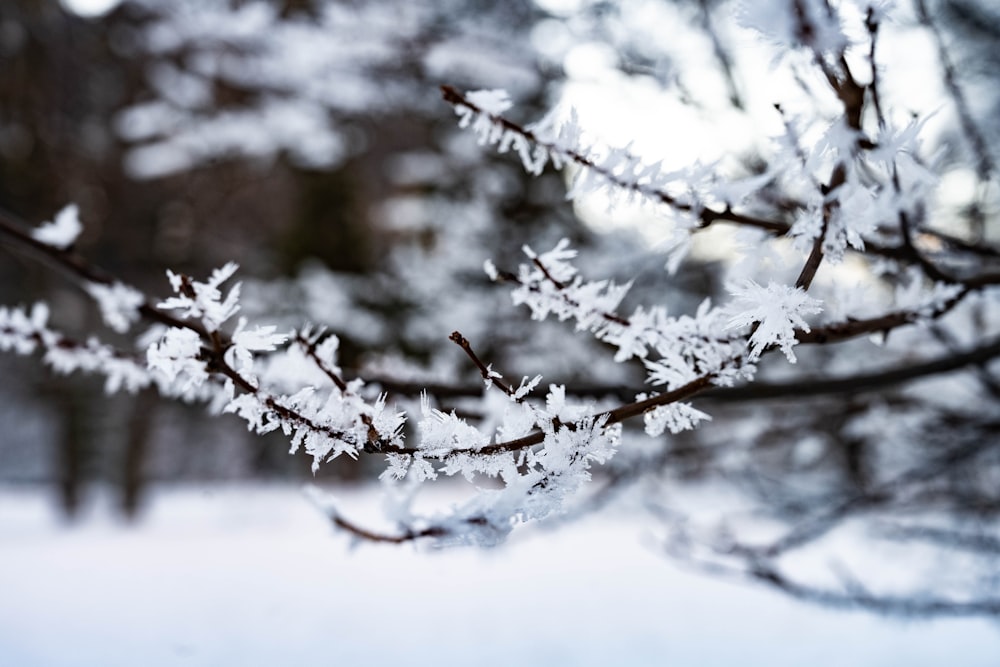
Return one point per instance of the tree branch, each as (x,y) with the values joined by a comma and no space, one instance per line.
(706,215)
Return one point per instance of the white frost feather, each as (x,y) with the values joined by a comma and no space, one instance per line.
(63,231)
(776,310)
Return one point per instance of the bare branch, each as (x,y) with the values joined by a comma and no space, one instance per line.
(984,161)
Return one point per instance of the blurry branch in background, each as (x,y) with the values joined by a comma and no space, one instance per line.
(756,391)
(885,505)
(977,142)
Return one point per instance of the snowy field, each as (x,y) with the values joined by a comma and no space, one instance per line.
(246,576)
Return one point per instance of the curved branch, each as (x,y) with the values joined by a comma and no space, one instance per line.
(12,228)
(862,382)
(369,535)
(537,437)
(706,216)
(911,606)
(984,161)
(755,391)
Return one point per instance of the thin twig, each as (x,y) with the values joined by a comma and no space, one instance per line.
(371,536)
(984,161)
(489,375)
(309,347)
(754,391)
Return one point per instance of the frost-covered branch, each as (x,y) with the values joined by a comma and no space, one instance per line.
(26,332)
(120,304)
(746,393)
(618,170)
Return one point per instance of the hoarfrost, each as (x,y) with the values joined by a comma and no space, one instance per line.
(775,311)
(63,231)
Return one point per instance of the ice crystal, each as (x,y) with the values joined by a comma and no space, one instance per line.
(203,300)
(63,231)
(775,312)
(119,304)
(675,417)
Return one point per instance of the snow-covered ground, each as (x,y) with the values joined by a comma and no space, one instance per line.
(246,576)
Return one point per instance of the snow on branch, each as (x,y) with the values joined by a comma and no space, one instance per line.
(776,313)
(26,332)
(119,304)
(325,422)
(203,300)
(695,194)
(541,453)
(63,231)
(687,347)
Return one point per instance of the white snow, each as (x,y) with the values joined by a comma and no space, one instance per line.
(248,576)
(493,102)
